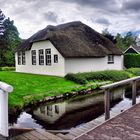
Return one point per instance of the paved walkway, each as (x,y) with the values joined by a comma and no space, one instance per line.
(125,126)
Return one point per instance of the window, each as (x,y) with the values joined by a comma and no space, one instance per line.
(23,58)
(19,58)
(55,58)
(110,59)
(33,57)
(48,56)
(57,109)
(41,57)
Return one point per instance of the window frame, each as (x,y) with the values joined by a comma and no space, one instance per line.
(48,57)
(33,54)
(41,57)
(19,57)
(55,58)
(23,58)
(110,59)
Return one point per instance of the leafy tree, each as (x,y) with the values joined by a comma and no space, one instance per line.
(123,42)
(9,39)
(108,35)
(2,16)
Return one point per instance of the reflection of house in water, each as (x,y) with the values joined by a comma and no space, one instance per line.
(50,113)
(92,106)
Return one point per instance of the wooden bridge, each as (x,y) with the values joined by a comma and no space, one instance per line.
(121,127)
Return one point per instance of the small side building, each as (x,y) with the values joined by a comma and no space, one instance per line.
(132,49)
(67,48)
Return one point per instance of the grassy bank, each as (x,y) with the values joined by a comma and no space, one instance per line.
(30,87)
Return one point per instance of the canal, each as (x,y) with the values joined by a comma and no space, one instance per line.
(65,114)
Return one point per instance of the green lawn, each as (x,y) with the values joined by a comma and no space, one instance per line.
(28,87)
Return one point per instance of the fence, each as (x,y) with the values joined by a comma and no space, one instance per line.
(4,90)
(108,87)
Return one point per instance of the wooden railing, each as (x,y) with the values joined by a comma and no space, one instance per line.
(4,90)
(108,87)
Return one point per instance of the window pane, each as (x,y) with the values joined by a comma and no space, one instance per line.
(33,57)
(23,58)
(41,57)
(55,58)
(19,58)
(48,56)
(110,59)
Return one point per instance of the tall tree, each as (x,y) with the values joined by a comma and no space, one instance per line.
(2,45)
(123,42)
(108,35)
(2,16)
(9,39)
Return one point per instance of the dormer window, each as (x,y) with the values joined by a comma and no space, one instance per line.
(110,59)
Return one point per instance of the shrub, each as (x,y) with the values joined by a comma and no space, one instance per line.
(134,71)
(132,60)
(7,68)
(107,75)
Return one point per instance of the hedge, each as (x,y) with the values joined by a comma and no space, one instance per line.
(134,71)
(132,60)
(108,75)
(7,68)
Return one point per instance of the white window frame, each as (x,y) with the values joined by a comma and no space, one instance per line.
(23,58)
(33,53)
(41,56)
(110,59)
(48,57)
(19,54)
(55,58)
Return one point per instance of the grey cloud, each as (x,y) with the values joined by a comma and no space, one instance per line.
(132,5)
(103,21)
(51,16)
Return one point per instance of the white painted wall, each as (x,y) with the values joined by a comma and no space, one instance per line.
(65,65)
(55,69)
(75,65)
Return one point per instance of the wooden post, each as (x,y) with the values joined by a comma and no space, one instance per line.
(134,92)
(107,104)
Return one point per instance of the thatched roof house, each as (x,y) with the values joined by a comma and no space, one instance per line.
(68,41)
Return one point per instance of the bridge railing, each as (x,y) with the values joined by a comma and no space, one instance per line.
(4,90)
(107,88)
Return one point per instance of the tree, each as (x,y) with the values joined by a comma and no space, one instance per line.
(2,16)
(123,42)
(9,39)
(108,35)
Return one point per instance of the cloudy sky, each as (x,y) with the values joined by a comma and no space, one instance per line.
(119,16)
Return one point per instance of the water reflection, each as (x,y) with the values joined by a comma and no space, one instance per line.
(76,111)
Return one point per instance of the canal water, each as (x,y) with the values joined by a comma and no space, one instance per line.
(63,115)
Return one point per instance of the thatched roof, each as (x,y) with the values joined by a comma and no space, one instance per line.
(73,39)
(137,48)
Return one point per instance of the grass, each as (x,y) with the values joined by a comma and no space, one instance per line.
(28,87)
(33,87)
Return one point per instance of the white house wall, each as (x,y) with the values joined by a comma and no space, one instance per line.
(54,69)
(75,65)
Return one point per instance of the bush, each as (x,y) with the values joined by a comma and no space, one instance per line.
(7,68)
(134,71)
(132,60)
(108,75)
